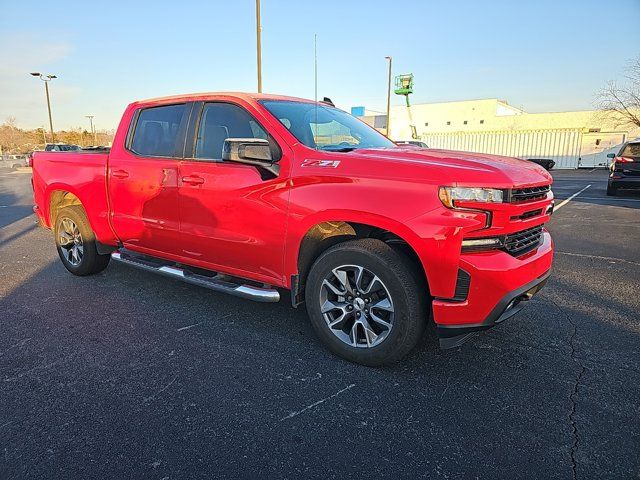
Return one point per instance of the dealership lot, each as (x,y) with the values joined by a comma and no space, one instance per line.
(130,375)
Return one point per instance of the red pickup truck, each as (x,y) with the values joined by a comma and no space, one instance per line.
(248,194)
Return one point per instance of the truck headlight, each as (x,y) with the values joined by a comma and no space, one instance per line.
(450,195)
(477,244)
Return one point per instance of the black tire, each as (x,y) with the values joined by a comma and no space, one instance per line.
(405,285)
(91,261)
(611,190)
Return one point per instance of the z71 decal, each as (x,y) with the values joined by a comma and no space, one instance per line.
(321,163)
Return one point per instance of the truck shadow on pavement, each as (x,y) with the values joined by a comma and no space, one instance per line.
(176,380)
(10,208)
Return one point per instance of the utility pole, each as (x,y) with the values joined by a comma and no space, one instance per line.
(95,138)
(389,97)
(46,79)
(259,46)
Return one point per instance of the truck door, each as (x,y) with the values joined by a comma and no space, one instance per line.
(143,180)
(231,218)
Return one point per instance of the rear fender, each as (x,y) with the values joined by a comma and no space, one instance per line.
(95,209)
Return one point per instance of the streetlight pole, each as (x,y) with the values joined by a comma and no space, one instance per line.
(46,79)
(95,137)
(389,97)
(259,46)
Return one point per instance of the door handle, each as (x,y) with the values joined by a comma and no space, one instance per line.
(193,180)
(120,174)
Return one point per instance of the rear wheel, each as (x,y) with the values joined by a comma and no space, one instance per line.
(611,190)
(366,302)
(76,242)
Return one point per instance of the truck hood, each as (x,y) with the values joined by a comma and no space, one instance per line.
(456,168)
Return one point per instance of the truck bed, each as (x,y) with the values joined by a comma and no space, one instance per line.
(82,174)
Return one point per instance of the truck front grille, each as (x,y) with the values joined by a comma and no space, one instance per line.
(528,194)
(526,215)
(524,241)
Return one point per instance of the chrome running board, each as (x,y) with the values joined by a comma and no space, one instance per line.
(218,282)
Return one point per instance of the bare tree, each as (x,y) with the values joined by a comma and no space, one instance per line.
(620,101)
(10,135)
(14,140)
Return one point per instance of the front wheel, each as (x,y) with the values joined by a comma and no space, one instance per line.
(611,190)
(366,302)
(76,242)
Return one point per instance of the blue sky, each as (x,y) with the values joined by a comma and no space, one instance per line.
(540,55)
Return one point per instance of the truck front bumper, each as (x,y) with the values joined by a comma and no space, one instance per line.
(500,287)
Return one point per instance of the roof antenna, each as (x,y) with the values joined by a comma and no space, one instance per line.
(315,74)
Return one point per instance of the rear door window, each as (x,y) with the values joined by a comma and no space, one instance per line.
(158,131)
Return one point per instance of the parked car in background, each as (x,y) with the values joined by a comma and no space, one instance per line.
(61,147)
(625,168)
(15,161)
(546,163)
(236,193)
(415,143)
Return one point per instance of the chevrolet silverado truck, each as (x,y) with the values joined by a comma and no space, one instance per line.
(252,194)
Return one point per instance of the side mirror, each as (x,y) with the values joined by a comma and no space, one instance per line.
(611,155)
(251,151)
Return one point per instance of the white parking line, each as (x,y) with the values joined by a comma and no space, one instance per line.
(570,198)
(598,257)
(610,199)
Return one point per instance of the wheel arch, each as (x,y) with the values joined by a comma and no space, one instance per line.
(59,197)
(324,233)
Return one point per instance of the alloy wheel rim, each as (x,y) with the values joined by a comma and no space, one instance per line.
(357,306)
(70,240)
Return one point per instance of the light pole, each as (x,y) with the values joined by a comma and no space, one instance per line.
(95,137)
(389,97)
(258,46)
(46,79)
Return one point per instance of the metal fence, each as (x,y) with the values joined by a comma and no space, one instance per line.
(562,145)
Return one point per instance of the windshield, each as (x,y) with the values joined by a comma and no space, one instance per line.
(632,150)
(324,127)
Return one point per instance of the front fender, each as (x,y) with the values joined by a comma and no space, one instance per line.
(297,232)
(434,236)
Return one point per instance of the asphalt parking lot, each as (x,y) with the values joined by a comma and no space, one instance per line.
(131,375)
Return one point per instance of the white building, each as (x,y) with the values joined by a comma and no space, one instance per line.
(572,139)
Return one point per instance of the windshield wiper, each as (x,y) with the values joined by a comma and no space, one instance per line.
(339,149)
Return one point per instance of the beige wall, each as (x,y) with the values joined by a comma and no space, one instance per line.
(572,139)
(491,115)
